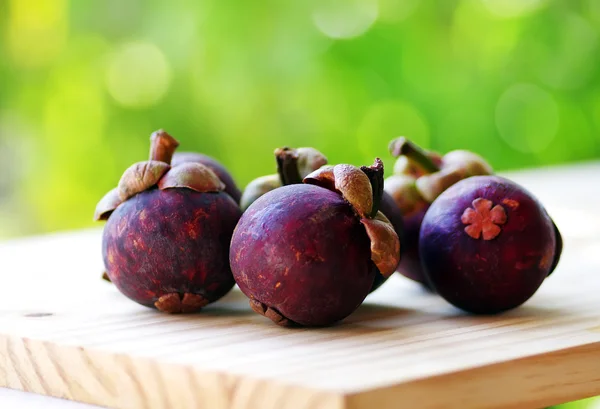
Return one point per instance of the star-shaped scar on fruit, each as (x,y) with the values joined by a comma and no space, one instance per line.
(483,220)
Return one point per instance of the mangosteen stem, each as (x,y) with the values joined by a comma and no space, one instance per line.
(375,175)
(402,146)
(162,146)
(287,166)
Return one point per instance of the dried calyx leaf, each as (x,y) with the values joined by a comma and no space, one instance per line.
(355,187)
(174,303)
(431,186)
(385,244)
(259,187)
(295,164)
(375,175)
(107,205)
(141,176)
(271,314)
(322,177)
(162,146)
(363,188)
(351,182)
(472,163)
(309,160)
(403,190)
(191,175)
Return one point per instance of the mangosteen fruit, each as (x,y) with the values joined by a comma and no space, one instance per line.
(419,176)
(168,229)
(295,164)
(308,254)
(487,244)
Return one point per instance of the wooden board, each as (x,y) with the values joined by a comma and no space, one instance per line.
(66,333)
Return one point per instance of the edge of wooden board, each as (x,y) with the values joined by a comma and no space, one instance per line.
(121,382)
(118,381)
(529,382)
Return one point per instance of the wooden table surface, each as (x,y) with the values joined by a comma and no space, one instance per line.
(66,333)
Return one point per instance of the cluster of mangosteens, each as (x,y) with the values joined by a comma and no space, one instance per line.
(309,243)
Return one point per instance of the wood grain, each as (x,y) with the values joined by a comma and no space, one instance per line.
(65,332)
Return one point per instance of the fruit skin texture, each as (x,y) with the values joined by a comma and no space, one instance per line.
(492,274)
(174,241)
(231,187)
(299,234)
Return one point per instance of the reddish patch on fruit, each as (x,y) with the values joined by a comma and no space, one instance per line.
(513,204)
(483,270)
(483,220)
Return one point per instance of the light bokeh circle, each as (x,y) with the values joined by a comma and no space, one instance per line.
(527,118)
(343,19)
(138,75)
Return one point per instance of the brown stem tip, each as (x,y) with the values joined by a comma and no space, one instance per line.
(271,314)
(287,166)
(162,146)
(403,147)
(483,220)
(174,303)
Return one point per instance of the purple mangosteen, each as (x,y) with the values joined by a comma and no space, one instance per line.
(168,230)
(487,244)
(308,254)
(295,164)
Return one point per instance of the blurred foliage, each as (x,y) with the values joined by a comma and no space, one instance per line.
(84,83)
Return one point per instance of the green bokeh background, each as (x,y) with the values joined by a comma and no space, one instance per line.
(84,83)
